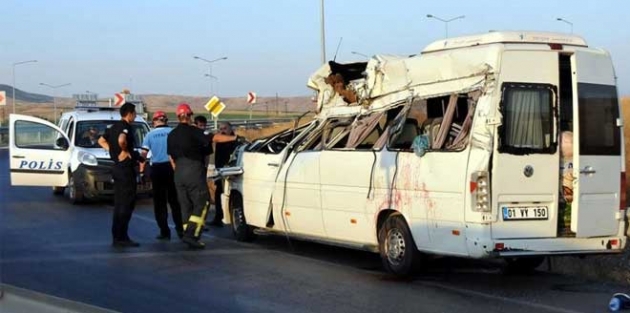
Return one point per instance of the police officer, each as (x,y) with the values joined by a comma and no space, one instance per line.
(119,141)
(162,177)
(187,148)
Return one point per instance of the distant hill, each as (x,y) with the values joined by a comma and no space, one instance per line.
(24,96)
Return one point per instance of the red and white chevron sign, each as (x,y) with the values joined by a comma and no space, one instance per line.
(119,99)
(251,97)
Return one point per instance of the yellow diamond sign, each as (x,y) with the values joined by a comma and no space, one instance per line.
(215,106)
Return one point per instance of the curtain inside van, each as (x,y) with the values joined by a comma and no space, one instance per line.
(527,115)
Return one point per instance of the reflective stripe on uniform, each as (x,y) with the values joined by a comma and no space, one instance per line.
(202,219)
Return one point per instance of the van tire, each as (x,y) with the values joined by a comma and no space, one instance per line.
(74,194)
(58,190)
(242,232)
(397,248)
(525,265)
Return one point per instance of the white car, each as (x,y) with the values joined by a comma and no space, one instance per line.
(67,157)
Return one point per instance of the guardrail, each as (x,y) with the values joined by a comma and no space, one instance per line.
(254,123)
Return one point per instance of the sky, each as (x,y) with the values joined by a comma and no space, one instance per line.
(272,46)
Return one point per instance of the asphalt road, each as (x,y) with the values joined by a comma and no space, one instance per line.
(50,246)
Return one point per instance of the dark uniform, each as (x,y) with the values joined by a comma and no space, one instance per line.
(162,177)
(188,146)
(221,158)
(124,175)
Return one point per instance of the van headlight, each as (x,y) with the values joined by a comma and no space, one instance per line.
(87,158)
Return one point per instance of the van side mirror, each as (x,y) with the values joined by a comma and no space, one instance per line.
(63,143)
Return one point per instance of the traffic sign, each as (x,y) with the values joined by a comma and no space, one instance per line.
(3,98)
(215,106)
(251,97)
(119,99)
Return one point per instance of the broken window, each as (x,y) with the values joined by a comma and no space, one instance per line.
(276,143)
(444,122)
(336,133)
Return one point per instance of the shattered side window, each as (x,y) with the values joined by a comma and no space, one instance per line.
(336,133)
(312,142)
(276,143)
(443,122)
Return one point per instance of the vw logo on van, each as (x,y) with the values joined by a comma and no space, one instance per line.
(528,171)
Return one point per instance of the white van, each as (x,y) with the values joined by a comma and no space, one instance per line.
(456,151)
(67,156)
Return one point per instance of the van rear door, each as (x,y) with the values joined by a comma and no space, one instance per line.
(526,172)
(596,146)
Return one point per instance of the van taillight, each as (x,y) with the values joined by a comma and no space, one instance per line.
(480,192)
(622,192)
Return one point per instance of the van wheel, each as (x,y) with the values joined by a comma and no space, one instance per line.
(72,191)
(240,229)
(524,265)
(58,190)
(397,248)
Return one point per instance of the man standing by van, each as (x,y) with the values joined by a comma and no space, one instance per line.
(162,177)
(187,148)
(118,140)
(226,142)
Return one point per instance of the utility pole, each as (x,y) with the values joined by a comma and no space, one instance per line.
(323,33)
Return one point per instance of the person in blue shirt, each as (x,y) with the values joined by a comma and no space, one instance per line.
(162,177)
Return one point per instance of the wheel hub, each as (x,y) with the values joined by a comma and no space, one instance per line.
(395,243)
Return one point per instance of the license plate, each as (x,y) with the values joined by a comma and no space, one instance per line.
(525,213)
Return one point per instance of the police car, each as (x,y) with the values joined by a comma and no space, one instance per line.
(67,156)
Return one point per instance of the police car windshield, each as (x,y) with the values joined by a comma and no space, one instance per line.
(88,133)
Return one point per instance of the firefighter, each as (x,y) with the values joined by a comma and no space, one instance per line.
(187,148)
(119,141)
(162,177)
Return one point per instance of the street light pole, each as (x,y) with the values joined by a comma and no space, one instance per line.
(445,22)
(210,64)
(323,33)
(565,21)
(55,96)
(211,82)
(13,75)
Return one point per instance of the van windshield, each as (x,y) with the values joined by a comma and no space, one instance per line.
(88,133)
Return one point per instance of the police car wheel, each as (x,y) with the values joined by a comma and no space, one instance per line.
(75,195)
(240,229)
(522,265)
(397,248)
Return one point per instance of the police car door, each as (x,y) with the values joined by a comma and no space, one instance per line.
(39,152)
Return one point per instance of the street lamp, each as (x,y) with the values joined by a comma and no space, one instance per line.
(565,21)
(359,53)
(210,63)
(323,33)
(55,96)
(13,74)
(445,21)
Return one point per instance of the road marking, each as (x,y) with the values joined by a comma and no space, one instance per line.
(495,297)
(124,254)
